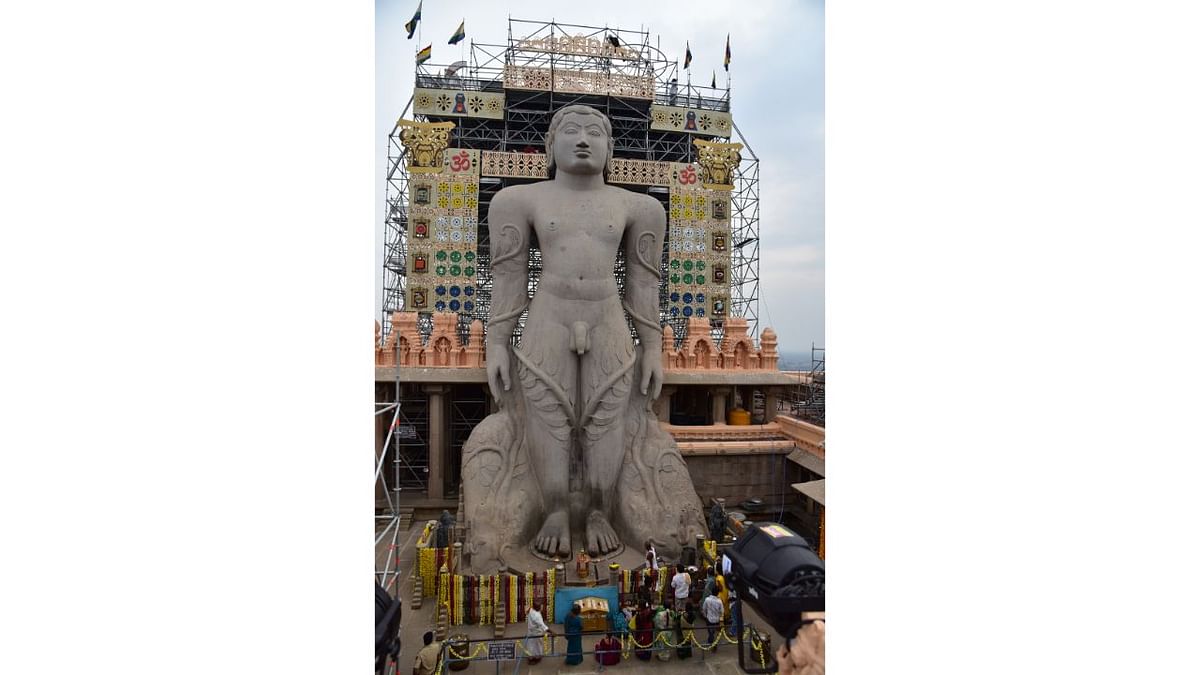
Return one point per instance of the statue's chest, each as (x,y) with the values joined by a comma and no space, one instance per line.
(579,225)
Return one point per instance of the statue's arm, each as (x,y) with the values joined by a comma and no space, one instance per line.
(508,233)
(643,255)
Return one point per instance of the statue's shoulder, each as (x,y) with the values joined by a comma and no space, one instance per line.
(516,192)
(519,197)
(642,206)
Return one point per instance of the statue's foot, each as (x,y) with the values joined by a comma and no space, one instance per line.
(600,536)
(555,536)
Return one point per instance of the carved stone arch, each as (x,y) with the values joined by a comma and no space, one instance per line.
(741,354)
(404,351)
(704,351)
(441,351)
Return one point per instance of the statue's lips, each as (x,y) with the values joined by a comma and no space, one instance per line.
(583,153)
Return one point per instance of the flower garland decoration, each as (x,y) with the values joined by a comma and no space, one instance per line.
(460,599)
(427,568)
(512,598)
(484,597)
(550,596)
(528,590)
(444,589)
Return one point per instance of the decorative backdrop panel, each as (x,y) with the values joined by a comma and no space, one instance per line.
(458,103)
(698,272)
(691,120)
(443,235)
(578,81)
(533,165)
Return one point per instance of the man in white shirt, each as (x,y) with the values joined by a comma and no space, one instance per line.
(682,583)
(713,611)
(535,628)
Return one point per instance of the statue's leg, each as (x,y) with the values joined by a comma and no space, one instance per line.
(606,373)
(547,373)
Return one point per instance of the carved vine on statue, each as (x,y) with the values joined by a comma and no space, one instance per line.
(575,458)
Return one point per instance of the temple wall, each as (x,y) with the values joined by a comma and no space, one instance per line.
(739,477)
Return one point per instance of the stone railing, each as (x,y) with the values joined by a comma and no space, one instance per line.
(736,352)
(808,436)
(404,347)
(444,349)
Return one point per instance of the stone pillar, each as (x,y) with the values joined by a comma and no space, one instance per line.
(455,557)
(770,403)
(439,439)
(720,394)
(662,407)
(560,575)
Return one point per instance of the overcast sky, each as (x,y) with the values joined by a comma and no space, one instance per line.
(778,103)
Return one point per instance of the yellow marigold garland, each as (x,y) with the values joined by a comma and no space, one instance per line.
(427,568)
(528,588)
(550,596)
(512,598)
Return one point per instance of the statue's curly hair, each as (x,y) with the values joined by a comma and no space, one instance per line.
(557,120)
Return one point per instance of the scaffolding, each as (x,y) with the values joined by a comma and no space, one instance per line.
(808,401)
(531,49)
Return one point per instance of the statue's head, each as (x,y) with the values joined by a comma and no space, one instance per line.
(579,141)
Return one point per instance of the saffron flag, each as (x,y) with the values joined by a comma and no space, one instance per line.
(714,82)
(727,51)
(459,34)
(411,26)
(424,54)
(687,58)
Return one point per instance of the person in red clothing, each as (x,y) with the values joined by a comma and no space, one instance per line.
(608,651)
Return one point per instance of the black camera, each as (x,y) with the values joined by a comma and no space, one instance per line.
(776,571)
(387,628)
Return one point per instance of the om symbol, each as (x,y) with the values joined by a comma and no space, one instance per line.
(461,162)
(687,176)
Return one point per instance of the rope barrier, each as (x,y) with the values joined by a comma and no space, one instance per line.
(627,641)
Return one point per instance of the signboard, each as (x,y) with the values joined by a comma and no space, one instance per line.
(502,651)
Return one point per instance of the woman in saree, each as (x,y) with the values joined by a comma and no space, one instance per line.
(573,628)
(643,632)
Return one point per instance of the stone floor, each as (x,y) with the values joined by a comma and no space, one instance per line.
(415,622)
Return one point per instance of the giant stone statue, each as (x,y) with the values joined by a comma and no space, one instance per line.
(574,458)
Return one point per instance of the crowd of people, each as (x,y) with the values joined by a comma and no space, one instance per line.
(691,600)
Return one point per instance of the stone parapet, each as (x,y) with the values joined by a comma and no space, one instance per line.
(808,436)
(736,351)
(405,347)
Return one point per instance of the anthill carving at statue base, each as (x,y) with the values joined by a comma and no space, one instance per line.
(575,458)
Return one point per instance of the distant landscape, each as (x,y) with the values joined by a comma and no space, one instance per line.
(795,360)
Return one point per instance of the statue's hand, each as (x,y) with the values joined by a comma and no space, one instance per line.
(498,369)
(652,373)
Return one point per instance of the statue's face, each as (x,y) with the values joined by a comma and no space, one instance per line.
(580,144)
